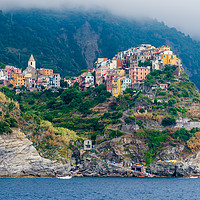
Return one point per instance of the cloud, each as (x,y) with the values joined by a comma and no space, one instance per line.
(182,14)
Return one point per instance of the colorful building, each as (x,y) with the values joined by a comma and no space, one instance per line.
(46,72)
(101,73)
(164,48)
(169,58)
(12,69)
(138,74)
(109,83)
(126,83)
(18,80)
(117,86)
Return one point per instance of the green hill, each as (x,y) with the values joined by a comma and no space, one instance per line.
(70,41)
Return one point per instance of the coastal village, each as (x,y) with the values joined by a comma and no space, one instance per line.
(128,69)
(31,78)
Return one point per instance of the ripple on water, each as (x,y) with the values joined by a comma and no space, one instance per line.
(99,188)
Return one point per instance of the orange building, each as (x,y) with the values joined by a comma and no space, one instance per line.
(46,72)
(164,48)
(18,80)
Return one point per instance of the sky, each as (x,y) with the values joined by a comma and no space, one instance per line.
(181,14)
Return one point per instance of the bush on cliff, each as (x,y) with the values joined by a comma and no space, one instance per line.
(182,134)
(168,121)
(4,127)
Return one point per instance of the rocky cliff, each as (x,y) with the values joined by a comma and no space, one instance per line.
(19,158)
(186,167)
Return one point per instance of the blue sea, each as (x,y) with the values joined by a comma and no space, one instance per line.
(99,188)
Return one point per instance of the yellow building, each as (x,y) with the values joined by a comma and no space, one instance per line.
(18,80)
(120,72)
(169,58)
(117,86)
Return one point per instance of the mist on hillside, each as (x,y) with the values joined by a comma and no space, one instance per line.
(181,14)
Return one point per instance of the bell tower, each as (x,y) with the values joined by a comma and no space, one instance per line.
(31,62)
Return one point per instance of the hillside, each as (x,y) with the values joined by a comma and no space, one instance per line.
(53,119)
(70,41)
(155,126)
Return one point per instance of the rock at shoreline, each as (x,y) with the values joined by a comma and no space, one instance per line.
(19,158)
(187,167)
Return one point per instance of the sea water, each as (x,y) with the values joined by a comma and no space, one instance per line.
(99,188)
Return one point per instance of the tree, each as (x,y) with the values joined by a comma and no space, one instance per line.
(84,106)
(63,83)
(182,134)
(168,121)
(68,95)
(171,102)
(99,88)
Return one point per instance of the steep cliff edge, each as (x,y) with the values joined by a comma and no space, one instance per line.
(187,167)
(19,158)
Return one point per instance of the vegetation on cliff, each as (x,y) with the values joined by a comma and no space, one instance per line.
(54,120)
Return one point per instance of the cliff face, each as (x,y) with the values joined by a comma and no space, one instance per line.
(19,158)
(186,167)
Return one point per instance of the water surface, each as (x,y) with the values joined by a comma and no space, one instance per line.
(99,188)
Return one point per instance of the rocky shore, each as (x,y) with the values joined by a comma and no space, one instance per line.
(187,167)
(19,158)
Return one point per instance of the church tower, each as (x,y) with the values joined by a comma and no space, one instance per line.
(31,62)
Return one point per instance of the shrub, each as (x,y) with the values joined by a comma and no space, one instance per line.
(173,111)
(12,122)
(139,122)
(171,102)
(4,127)
(142,110)
(129,120)
(11,106)
(182,134)
(168,121)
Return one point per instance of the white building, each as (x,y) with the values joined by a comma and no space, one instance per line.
(157,64)
(87,144)
(89,80)
(126,83)
(3,75)
(56,80)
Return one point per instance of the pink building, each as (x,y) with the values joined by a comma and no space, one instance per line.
(11,70)
(138,74)
(101,73)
